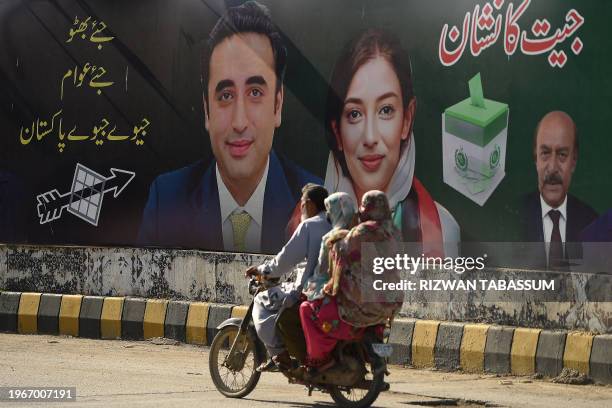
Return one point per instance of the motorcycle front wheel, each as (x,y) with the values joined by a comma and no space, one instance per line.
(235,377)
(359,397)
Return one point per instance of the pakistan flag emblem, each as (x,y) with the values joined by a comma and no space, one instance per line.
(494,158)
(461,160)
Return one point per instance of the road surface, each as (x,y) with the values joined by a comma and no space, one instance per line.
(115,373)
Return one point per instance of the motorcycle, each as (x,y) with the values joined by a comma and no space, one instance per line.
(354,382)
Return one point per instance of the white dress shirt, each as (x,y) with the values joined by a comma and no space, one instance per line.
(548,224)
(253,207)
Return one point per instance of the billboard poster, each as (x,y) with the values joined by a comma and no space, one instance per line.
(196,124)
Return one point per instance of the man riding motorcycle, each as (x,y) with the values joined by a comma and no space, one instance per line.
(270,304)
(355,377)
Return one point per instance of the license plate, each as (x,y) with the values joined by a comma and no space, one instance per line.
(382,349)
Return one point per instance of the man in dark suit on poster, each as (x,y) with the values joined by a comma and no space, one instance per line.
(243,200)
(554,216)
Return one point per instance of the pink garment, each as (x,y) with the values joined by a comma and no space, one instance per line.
(323,328)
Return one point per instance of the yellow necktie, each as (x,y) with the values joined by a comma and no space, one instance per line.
(240,224)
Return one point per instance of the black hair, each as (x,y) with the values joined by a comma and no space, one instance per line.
(315,193)
(250,17)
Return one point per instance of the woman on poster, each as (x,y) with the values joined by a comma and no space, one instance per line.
(370,115)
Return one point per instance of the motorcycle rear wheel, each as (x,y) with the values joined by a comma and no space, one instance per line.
(232,383)
(357,397)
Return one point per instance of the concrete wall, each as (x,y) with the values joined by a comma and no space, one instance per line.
(218,277)
(150,273)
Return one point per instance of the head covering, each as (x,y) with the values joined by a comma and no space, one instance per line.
(359,304)
(375,215)
(375,206)
(398,187)
(340,210)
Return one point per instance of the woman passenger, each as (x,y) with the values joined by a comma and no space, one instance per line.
(345,309)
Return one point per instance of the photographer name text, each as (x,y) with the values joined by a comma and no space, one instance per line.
(465,285)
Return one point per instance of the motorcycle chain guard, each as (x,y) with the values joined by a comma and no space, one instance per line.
(348,373)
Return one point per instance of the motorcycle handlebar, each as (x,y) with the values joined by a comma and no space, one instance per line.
(260,282)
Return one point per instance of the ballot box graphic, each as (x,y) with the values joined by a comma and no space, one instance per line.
(474,137)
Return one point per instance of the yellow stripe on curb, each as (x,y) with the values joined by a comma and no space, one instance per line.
(154,318)
(239,311)
(110,319)
(472,350)
(523,353)
(577,351)
(69,315)
(424,343)
(27,314)
(197,317)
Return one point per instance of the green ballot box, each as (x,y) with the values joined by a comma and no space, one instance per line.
(474,136)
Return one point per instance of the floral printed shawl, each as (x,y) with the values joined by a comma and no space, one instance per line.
(340,209)
(376,227)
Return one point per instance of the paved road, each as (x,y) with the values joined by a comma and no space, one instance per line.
(141,374)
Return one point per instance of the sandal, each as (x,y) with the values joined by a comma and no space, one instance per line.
(283,361)
(268,365)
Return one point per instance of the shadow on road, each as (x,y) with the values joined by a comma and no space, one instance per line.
(315,404)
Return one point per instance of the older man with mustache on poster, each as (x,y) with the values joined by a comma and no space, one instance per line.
(554,216)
